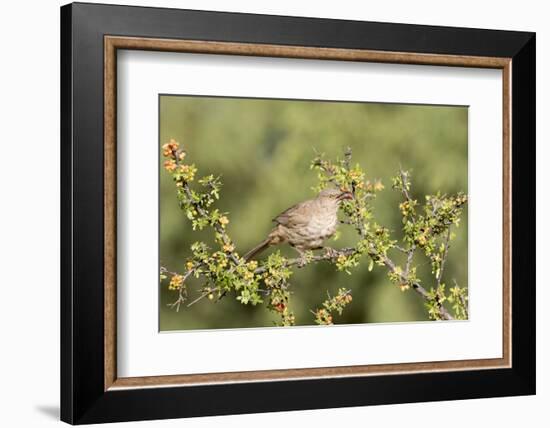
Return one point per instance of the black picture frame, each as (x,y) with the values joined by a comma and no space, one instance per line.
(83,396)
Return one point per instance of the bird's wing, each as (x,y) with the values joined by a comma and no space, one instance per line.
(299,214)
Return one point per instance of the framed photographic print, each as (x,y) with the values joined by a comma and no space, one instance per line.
(259,208)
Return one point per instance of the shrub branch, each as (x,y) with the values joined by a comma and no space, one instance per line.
(255,282)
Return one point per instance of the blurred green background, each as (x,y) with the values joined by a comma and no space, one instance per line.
(263,148)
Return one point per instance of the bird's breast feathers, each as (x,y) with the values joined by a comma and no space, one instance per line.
(323,225)
(308,224)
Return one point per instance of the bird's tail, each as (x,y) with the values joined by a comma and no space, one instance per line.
(257,249)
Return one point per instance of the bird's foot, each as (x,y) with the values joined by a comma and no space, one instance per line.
(303,260)
(331,253)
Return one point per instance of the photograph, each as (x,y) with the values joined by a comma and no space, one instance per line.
(277,210)
(291,212)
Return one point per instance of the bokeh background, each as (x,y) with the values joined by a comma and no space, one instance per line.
(263,149)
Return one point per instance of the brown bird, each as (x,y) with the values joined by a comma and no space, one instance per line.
(306,225)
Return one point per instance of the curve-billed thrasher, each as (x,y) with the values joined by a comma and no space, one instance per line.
(306,225)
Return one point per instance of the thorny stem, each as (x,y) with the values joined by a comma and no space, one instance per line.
(418,288)
(182,291)
(410,254)
(447,241)
(330,255)
(404,179)
(462,301)
(218,228)
(202,296)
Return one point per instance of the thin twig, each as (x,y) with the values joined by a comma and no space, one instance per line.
(463,301)
(164,270)
(404,184)
(202,296)
(410,254)
(182,290)
(417,287)
(330,255)
(444,257)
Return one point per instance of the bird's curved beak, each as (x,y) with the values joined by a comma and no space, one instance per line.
(345,196)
